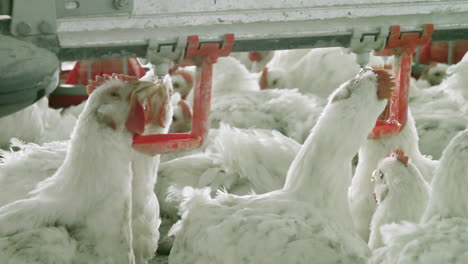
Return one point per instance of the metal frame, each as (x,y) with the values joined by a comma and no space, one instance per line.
(402,45)
(258,25)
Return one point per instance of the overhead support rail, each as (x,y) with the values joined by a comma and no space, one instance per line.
(88,29)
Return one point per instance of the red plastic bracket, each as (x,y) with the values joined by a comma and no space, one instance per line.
(203,55)
(402,46)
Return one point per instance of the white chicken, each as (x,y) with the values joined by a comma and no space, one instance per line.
(360,193)
(240,161)
(400,192)
(26,125)
(436,129)
(441,111)
(238,101)
(37,123)
(434,73)
(182,117)
(26,165)
(83,212)
(457,82)
(229,76)
(285,58)
(143,204)
(58,125)
(287,111)
(254,61)
(75,110)
(315,73)
(441,235)
(297,223)
(182,80)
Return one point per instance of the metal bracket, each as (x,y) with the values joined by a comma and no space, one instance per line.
(402,45)
(162,55)
(33,17)
(363,43)
(203,55)
(406,42)
(211,50)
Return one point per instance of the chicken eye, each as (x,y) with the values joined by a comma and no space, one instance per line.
(174,119)
(115,95)
(275,82)
(377,174)
(176,85)
(438,74)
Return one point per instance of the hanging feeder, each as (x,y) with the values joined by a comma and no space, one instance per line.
(203,56)
(402,46)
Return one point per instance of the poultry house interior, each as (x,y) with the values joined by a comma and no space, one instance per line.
(149,131)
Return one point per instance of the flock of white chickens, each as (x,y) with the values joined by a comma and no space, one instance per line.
(286,175)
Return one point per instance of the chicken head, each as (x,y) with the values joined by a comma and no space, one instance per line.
(118,101)
(391,173)
(385,84)
(182,118)
(182,82)
(271,78)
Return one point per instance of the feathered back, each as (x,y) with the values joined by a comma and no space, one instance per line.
(26,124)
(285,110)
(449,196)
(261,157)
(25,165)
(229,76)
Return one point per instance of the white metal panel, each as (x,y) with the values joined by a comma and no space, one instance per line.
(166,20)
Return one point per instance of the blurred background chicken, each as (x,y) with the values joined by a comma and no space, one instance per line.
(254,61)
(312,71)
(434,74)
(37,124)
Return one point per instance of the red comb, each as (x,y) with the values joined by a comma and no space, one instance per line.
(400,156)
(255,56)
(105,77)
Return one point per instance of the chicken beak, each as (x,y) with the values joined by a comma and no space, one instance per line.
(263,79)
